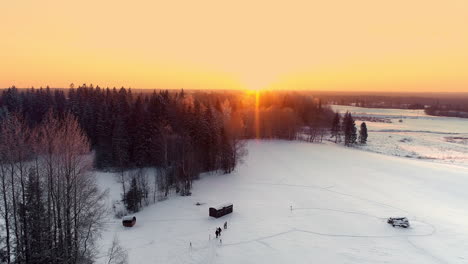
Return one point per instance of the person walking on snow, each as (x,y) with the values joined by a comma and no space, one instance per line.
(225,225)
(217,232)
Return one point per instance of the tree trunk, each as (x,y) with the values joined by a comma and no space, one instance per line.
(6,215)
(14,207)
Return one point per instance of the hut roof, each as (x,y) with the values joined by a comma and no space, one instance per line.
(128,218)
(219,207)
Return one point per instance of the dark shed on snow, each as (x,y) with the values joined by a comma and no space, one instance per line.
(221,210)
(128,221)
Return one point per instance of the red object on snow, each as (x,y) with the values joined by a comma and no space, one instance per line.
(128,221)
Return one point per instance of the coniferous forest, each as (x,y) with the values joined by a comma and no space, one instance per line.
(153,129)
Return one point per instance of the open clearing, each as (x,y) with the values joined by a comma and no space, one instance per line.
(340,198)
(413,134)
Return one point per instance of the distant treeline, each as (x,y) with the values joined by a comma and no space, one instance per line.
(452,101)
(448,110)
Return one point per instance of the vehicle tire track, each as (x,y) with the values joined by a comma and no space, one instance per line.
(326,235)
(425,252)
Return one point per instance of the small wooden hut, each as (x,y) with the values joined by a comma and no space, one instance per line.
(129,221)
(221,210)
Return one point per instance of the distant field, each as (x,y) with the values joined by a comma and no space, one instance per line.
(440,139)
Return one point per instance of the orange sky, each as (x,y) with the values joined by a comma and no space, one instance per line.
(398,45)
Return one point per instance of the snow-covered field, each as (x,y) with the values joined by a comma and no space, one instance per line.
(340,200)
(439,139)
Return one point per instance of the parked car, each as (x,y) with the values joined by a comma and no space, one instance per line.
(399,221)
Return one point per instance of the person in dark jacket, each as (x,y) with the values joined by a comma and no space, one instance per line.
(225,225)
(217,232)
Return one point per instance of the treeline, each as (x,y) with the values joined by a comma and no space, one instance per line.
(50,206)
(393,100)
(448,110)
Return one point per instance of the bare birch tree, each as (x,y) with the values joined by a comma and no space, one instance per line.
(48,167)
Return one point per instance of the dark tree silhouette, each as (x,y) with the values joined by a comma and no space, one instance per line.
(363,133)
(349,129)
(133,197)
(336,128)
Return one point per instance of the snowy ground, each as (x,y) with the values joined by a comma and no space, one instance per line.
(340,197)
(439,139)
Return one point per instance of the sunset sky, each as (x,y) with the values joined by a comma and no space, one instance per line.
(365,45)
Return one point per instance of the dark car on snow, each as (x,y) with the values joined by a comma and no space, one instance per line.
(399,221)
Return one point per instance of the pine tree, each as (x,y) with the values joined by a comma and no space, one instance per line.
(227,157)
(344,126)
(133,197)
(103,148)
(139,135)
(363,133)
(35,219)
(209,139)
(60,103)
(336,129)
(349,129)
(120,144)
(353,130)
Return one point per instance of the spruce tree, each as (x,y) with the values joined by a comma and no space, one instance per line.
(120,144)
(133,197)
(226,153)
(344,127)
(336,129)
(36,220)
(349,128)
(103,156)
(210,140)
(353,130)
(139,135)
(363,133)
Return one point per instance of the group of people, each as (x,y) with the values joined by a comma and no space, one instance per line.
(218,230)
(217,233)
